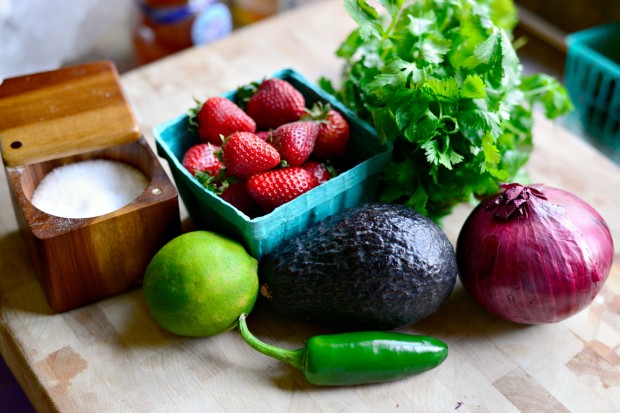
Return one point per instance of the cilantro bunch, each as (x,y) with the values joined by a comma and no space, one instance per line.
(442,81)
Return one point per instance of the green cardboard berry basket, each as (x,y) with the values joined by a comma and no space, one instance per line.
(592,77)
(260,235)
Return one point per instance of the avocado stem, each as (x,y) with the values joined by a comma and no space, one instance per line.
(293,357)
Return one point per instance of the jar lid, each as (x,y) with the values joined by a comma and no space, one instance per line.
(64,112)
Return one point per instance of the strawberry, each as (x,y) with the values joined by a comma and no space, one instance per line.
(276,187)
(264,135)
(202,157)
(320,171)
(333,136)
(275,103)
(295,141)
(236,194)
(220,116)
(245,154)
(230,189)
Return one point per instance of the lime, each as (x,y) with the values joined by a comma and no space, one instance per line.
(199,283)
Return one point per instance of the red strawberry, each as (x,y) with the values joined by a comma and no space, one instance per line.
(320,172)
(245,154)
(230,189)
(295,141)
(275,103)
(220,116)
(333,137)
(276,187)
(237,195)
(264,135)
(201,157)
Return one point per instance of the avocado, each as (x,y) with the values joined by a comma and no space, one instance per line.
(374,266)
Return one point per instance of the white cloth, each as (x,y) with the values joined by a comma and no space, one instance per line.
(39,35)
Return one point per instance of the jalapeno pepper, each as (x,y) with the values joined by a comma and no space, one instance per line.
(356,357)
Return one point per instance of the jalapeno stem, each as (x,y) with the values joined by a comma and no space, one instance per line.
(293,357)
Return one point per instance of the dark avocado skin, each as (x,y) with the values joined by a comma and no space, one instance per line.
(376,266)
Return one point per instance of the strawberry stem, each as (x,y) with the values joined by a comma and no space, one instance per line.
(319,112)
(192,114)
(245,92)
(214,183)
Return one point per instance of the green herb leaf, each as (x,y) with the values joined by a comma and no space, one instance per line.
(366,16)
(443,89)
(473,87)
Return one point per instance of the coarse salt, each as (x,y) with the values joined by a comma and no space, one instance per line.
(88,188)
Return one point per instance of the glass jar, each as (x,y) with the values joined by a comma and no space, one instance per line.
(164,27)
(250,11)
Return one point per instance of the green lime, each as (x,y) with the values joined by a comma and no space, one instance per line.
(199,283)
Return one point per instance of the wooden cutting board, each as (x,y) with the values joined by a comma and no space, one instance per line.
(111,356)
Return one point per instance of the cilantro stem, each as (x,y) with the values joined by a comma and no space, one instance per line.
(387,33)
(539,90)
(512,128)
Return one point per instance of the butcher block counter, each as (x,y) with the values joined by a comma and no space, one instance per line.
(111,357)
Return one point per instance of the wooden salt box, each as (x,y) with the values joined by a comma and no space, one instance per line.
(69,115)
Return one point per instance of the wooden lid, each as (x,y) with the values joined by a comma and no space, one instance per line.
(63,112)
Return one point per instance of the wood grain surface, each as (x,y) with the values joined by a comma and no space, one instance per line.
(63,112)
(111,356)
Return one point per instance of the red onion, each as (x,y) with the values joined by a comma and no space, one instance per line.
(534,254)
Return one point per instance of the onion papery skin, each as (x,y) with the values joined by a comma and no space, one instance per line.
(543,263)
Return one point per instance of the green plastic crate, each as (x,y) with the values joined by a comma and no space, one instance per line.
(592,77)
(261,235)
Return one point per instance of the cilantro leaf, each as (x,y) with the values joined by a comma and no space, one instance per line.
(418,25)
(366,16)
(544,89)
(485,51)
(473,87)
(443,89)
